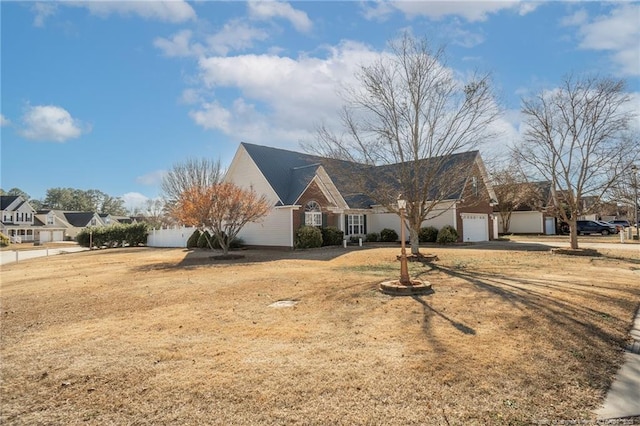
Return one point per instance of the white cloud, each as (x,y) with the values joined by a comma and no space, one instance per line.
(618,32)
(4,121)
(42,12)
(280,97)
(266,10)
(51,123)
(469,10)
(235,35)
(179,45)
(152,178)
(161,10)
(134,200)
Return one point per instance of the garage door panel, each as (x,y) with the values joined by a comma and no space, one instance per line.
(475,227)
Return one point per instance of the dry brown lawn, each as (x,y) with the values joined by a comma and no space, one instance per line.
(167,336)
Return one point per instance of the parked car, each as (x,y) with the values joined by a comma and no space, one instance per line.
(621,222)
(595,227)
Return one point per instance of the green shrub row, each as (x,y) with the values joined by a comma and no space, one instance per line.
(134,234)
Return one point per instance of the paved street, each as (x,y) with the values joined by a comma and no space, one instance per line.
(9,256)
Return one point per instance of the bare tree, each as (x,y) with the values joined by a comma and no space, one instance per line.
(193,173)
(410,112)
(575,138)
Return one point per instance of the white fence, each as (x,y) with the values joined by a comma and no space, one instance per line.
(170,237)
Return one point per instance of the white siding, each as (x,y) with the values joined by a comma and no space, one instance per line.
(275,229)
(523,223)
(378,221)
(244,173)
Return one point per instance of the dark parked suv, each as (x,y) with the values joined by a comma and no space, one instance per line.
(595,227)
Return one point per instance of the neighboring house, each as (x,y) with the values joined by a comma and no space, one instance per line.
(72,222)
(109,219)
(535,217)
(303,193)
(18,218)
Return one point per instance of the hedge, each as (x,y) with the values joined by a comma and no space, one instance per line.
(308,237)
(134,234)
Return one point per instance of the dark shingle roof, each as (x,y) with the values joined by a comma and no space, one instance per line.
(287,172)
(6,200)
(78,219)
(290,172)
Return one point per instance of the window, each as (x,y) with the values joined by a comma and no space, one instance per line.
(312,214)
(355,224)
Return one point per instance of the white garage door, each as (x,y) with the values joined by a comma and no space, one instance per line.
(45,236)
(475,227)
(58,236)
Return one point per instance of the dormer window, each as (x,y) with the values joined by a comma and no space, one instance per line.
(312,214)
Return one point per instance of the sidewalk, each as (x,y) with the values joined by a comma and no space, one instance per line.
(623,398)
(11,256)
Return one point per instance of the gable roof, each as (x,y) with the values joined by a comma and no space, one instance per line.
(79,219)
(290,172)
(7,200)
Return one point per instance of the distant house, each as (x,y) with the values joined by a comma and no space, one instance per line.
(302,192)
(18,218)
(533,217)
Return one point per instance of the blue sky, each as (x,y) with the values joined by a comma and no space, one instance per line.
(109,95)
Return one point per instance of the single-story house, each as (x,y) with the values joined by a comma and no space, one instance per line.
(302,192)
(533,217)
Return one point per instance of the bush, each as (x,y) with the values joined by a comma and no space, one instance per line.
(134,234)
(428,234)
(4,240)
(204,239)
(447,235)
(388,235)
(236,243)
(373,237)
(192,242)
(308,237)
(331,236)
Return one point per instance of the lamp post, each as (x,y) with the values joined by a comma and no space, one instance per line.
(634,169)
(404,269)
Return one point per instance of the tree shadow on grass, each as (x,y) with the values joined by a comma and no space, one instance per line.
(457,325)
(582,332)
(196,258)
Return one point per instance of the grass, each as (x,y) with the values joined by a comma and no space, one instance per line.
(168,336)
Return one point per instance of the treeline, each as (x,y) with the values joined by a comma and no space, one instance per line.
(72,199)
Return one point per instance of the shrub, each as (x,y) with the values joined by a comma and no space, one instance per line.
(4,240)
(236,243)
(331,236)
(204,239)
(388,235)
(447,235)
(133,234)
(372,237)
(428,234)
(192,242)
(308,237)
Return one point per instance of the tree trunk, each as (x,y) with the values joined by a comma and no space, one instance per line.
(573,233)
(415,240)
